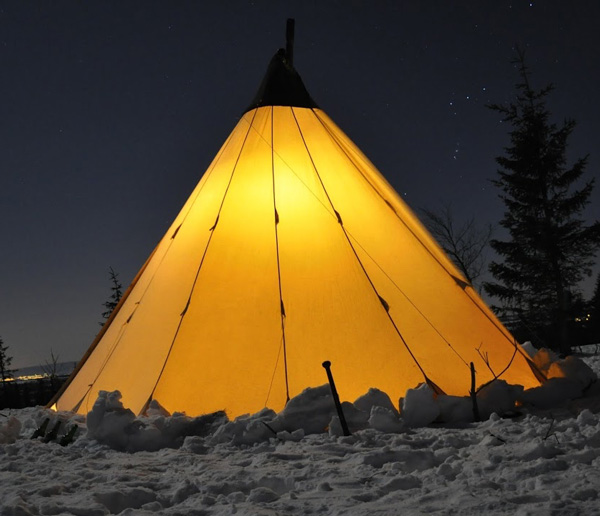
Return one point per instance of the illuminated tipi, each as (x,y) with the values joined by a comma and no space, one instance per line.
(292,249)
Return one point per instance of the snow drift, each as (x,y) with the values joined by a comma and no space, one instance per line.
(542,461)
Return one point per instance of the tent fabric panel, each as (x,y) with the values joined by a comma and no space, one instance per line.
(202,328)
(333,313)
(437,299)
(442,364)
(103,370)
(291,157)
(405,214)
(369,220)
(164,280)
(230,336)
(445,353)
(387,193)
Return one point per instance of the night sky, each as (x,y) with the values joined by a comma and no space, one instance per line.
(111,111)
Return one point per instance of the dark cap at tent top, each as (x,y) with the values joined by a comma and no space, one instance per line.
(282,85)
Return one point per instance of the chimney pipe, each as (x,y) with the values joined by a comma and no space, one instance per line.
(289,41)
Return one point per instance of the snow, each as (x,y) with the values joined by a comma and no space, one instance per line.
(426,458)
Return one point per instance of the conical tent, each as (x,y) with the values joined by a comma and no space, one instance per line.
(292,250)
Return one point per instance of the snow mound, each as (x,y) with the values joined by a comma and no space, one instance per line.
(498,397)
(311,410)
(529,348)
(385,420)
(573,369)
(419,407)
(355,418)
(544,358)
(374,398)
(116,426)
(10,430)
(568,379)
(247,429)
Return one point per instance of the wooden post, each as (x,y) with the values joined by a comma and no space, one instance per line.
(476,415)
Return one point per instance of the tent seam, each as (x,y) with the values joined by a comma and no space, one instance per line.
(409,229)
(212,232)
(276,218)
(354,250)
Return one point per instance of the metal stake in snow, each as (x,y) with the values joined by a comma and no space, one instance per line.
(336,398)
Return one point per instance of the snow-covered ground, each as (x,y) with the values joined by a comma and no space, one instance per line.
(538,461)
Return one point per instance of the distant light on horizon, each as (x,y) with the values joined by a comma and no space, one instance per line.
(27,378)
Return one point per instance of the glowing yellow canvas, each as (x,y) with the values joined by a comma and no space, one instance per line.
(292,250)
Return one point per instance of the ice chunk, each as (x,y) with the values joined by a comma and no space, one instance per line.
(574,369)
(543,358)
(374,397)
(10,430)
(311,411)
(156,409)
(385,420)
(247,429)
(109,422)
(419,407)
(498,397)
(295,436)
(529,348)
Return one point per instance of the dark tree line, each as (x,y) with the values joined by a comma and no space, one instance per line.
(588,317)
(5,363)
(548,248)
(17,393)
(5,373)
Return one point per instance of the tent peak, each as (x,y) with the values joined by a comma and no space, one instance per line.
(282,85)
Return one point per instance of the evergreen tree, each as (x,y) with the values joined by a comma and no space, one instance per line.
(116,294)
(594,313)
(5,362)
(549,247)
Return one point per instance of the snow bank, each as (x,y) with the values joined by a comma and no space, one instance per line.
(537,463)
(116,426)
(529,465)
(568,379)
(313,412)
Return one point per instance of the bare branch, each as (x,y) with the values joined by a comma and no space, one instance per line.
(485,358)
(465,244)
(51,367)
